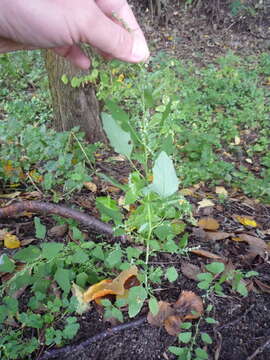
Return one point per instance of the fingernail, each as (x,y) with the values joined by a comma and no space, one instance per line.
(140,50)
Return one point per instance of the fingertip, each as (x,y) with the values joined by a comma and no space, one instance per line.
(75,55)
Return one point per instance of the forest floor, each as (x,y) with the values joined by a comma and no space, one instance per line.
(242,330)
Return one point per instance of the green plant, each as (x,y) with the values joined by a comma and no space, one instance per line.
(193,339)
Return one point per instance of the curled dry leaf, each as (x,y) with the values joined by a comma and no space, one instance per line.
(190,271)
(58,230)
(208,223)
(164,311)
(206,254)
(188,306)
(115,286)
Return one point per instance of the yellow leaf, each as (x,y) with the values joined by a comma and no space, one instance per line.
(220,190)
(237,140)
(246,221)
(107,286)
(11,241)
(205,203)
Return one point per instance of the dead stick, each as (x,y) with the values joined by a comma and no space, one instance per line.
(80,347)
(49,208)
(259,350)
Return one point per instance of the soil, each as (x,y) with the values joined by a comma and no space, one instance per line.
(243,322)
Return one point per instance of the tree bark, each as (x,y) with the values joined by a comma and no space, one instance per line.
(72,106)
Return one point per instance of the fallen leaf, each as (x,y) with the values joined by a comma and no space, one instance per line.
(11,195)
(237,140)
(11,241)
(112,189)
(3,232)
(262,286)
(245,220)
(187,191)
(32,195)
(189,305)
(208,223)
(220,190)
(219,235)
(81,306)
(27,241)
(90,186)
(107,286)
(256,245)
(164,311)
(205,253)
(173,325)
(190,270)
(204,203)
(58,230)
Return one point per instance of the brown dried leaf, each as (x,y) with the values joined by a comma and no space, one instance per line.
(172,325)
(262,286)
(189,305)
(27,241)
(214,236)
(190,270)
(204,203)
(208,223)
(58,230)
(205,253)
(164,311)
(256,245)
(90,186)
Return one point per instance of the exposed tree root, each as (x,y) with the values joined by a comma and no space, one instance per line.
(49,208)
(80,347)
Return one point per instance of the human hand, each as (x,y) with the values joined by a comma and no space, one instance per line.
(107,25)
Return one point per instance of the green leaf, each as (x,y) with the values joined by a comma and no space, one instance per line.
(177,350)
(114,257)
(51,250)
(79,257)
(206,338)
(3,313)
(108,209)
(171,274)
(186,325)
(120,140)
(136,297)
(215,267)
(71,328)
(242,289)
(6,265)
(81,279)
(205,276)
(165,181)
(202,354)
(11,304)
(183,241)
(251,273)
(204,285)
(28,254)
(153,306)
(185,337)
(113,181)
(40,228)
(210,320)
(64,79)
(62,277)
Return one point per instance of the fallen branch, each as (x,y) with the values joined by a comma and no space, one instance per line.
(80,347)
(63,211)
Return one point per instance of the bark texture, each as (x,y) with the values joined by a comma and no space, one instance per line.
(73,106)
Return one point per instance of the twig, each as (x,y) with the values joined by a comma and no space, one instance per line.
(49,208)
(72,348)
(259,350)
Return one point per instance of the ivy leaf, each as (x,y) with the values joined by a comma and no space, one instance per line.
(120,140)
(51,250)
(114,257)
(215,267)
(62,278)
(185,337)
(165,181)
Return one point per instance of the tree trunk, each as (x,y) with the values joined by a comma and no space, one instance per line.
(72,106)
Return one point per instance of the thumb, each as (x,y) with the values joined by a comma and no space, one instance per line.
(102,32)
(74,54)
